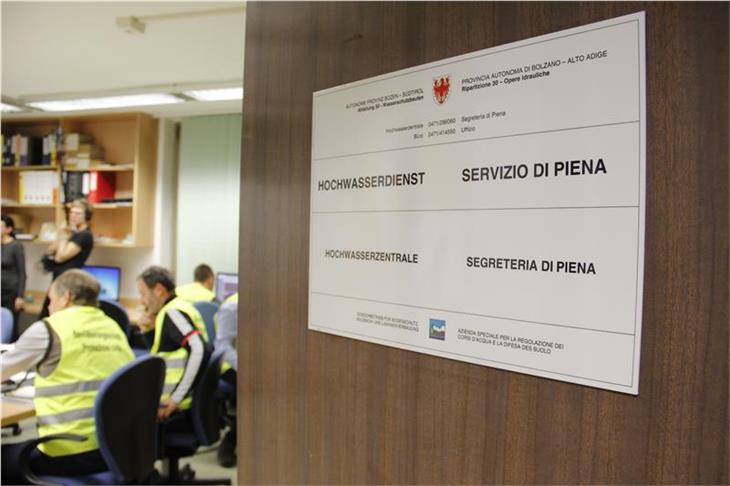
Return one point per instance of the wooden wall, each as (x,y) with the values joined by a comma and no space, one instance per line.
(316,408)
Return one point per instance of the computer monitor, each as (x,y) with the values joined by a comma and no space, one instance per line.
(108,277)
(226,284)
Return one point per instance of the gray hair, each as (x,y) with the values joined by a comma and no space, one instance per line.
(158,275)
(82,286)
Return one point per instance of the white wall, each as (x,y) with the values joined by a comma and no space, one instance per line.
(208,194)
(37,279)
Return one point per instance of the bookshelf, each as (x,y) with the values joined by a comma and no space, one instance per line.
(129,143)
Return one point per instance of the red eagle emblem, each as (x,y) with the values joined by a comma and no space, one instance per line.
(441,87)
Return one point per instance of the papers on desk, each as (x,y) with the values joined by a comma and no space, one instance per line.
(22,392)
(20,385)
(23,376)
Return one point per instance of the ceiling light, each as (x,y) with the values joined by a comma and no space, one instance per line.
(216,94)
(5,108)
(106,102)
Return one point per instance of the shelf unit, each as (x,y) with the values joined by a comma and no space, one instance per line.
(129,141)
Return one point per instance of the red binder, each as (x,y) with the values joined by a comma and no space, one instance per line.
(101,186)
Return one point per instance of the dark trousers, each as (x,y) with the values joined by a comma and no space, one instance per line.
(230,377)
(40,464)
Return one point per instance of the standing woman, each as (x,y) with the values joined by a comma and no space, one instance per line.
(73,244)
(13,270)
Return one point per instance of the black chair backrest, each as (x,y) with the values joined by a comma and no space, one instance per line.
(204,409)
(126,418)
(117,313)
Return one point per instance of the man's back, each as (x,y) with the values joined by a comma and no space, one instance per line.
(92,347)
(195,292)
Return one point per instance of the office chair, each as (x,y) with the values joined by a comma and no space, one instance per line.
(6,337)
(125,413)
(199,426)
(8,323)
(116,312)
(207,311)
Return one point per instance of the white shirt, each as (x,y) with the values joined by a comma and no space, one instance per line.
(225,336)
(30,352)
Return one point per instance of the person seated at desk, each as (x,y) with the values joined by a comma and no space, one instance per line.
(73,351)
(226,320)
(179,337)
(201,290)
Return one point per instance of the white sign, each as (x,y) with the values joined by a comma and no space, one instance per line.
(489,207)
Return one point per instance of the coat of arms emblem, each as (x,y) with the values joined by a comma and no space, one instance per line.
(441,87)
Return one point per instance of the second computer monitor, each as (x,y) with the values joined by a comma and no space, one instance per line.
(226,284)
(108,277)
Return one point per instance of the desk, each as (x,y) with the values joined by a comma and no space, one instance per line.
(14,410)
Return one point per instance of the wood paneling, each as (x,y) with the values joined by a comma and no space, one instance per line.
(316,408)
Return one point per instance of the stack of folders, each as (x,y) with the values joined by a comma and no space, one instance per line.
(75,185)
(51,149)
(8,158)
(22,151)
(19,150)
(96,186)
(38,187)
(80,151)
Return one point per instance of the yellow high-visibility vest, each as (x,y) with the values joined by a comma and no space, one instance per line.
(194,292)
(93,347)
(176,360)
(232,298)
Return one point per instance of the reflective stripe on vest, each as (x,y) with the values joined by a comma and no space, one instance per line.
(62,418)
(177,359)
(92,348)
(81,386)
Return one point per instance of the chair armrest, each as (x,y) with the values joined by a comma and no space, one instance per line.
(25,452)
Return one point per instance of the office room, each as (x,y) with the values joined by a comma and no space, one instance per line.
(475,242)
(133,109)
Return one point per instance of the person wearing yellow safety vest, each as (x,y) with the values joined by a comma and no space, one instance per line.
(226,323)
(179,338)
(201,290)
(72,351)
